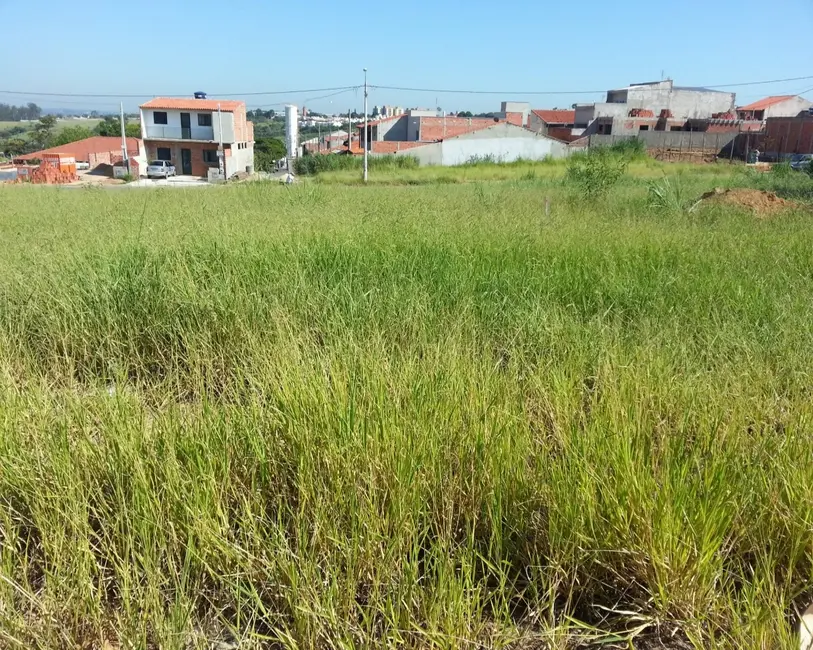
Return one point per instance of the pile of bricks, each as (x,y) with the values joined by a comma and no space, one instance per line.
(46,174)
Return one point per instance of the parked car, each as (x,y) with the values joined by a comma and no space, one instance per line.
(801,161)
(160,169)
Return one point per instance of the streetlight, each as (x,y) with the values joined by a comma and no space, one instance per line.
(366,133)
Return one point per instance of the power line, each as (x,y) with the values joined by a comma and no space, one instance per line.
(341,89)
(758,83)
(309,99)
(141,96)
(567,92)
(489,92)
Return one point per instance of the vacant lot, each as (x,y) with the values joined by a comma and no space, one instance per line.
(329,416)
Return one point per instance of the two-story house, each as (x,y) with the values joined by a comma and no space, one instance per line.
(189,132)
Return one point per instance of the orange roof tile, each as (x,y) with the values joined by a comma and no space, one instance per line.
(82,148)
(187,104)
(762,104)
(556,116)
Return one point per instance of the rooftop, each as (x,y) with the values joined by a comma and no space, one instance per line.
(556,116)
(82,148)
(191,104)
(762,104)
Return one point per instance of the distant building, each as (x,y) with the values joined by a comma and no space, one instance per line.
(188,132)
(516,113)
(94,151)
(556,123)
(776,106)
(656,105)
(499,142)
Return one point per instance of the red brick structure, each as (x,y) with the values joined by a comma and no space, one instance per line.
(384,146)
(433,129)
(789,135)
(83,150)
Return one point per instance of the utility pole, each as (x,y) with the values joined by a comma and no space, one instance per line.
(221,161)
(349,133)
(366,134)
(124,157)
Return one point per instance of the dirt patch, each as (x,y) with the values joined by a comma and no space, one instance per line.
(761,203)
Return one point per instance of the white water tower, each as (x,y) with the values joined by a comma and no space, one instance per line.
(291,132)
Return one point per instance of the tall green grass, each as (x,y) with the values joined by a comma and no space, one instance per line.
(318,164)
(401,416)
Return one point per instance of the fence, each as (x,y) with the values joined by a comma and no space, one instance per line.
(689,146)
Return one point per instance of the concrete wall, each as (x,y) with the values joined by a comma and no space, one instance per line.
(172,129)
(686,140)
(392,129)
(242,156)
(413,128)
(683,103)
(789,108)
(502,143)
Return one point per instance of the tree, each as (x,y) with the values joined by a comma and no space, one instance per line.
(41,134)
(110,126)
(70,134)
(11,113)
(266,151)
(13,147)
(465,114)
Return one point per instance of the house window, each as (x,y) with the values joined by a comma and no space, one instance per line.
(210,156)
(643,127)
(204,119)
(159,117)
(675,128)
(163,153)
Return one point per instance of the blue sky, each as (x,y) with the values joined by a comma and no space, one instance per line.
(516,47)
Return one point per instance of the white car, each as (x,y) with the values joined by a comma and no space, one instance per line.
(160,169)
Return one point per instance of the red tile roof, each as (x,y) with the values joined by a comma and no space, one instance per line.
(186,104)
(556,116)
(762,104)
(81,148)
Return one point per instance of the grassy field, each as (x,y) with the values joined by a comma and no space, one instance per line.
(62,123)
(332,416)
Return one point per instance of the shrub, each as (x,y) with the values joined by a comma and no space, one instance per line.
(487,159)
(667,196)
(317,164)
(594,173)
(629,148)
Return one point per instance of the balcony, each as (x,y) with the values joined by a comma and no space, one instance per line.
(159,132)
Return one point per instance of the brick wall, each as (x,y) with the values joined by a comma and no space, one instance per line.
(241,128)
(514,118)
(104,158)
(563,133)
(385,146)
(789,135)
(199,167)
(433,128)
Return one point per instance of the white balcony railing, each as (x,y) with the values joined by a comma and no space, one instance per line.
(159,132)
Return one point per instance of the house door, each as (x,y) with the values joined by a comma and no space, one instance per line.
(186,162)
(186,126)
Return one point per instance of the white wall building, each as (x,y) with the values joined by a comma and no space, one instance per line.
(190,132)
